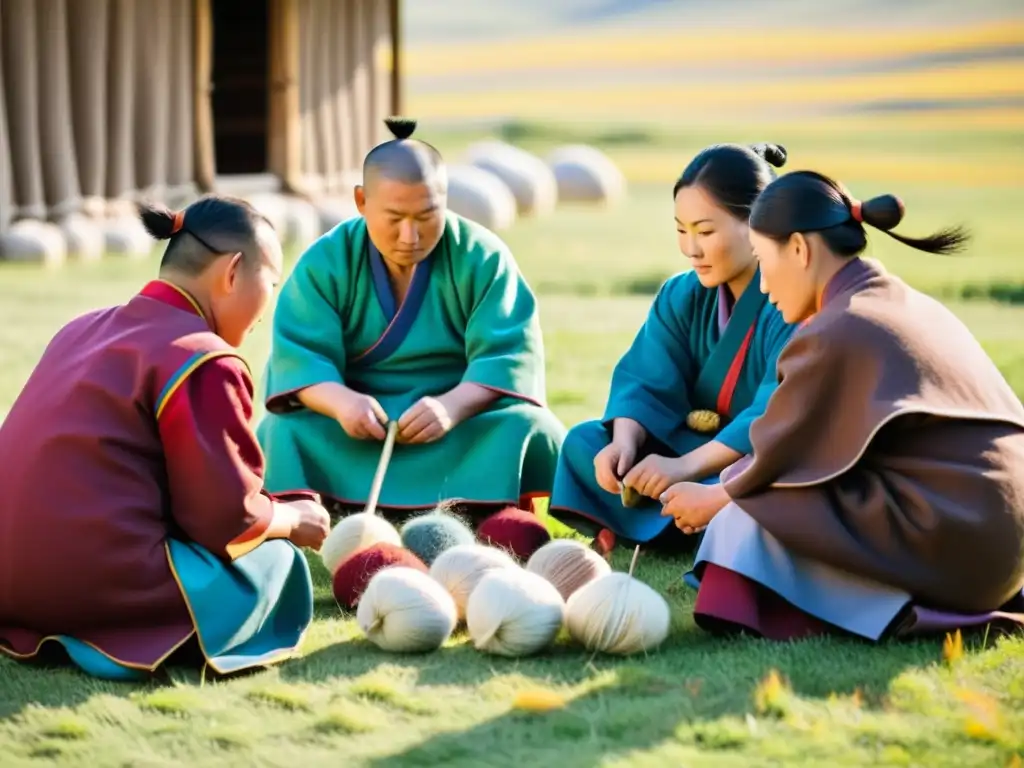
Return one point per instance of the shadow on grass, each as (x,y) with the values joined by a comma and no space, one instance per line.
(634,704)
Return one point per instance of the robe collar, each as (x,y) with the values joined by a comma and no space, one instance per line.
(852,274)
(169,293)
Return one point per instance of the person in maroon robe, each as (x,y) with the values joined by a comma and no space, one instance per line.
(885,491)
(132,511)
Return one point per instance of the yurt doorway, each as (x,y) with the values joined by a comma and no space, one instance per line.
(240,96)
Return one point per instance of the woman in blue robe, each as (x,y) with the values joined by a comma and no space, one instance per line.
(700,370)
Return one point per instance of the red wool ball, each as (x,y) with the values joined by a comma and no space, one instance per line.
(515,530)
(354,574)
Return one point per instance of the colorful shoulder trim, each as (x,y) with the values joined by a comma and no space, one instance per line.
(190,365)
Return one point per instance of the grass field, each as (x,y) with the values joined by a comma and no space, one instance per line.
(698,700)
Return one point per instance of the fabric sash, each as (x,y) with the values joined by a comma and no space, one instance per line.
(400,319)
(719,376)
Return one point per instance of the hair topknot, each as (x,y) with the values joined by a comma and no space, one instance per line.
(808,201)
(159,220)
(210,227)
(401,127)
(773,154)
(884,212)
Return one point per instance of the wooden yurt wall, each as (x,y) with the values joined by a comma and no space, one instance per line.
(107,101)
(6,183)
(98,97)
(344,94)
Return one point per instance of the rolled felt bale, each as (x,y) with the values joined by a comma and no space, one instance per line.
(585,174)
(530,180)
(481,196)
(31,240)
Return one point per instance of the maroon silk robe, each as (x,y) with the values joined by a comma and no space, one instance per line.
(133,426)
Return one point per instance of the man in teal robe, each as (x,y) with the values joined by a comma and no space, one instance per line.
(698,350)
(409,313)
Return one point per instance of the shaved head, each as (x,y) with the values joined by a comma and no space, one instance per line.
(403,196)
(405,160)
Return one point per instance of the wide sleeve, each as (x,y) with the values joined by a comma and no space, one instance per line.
(802,425)
(214,464)
(504,343)
(736,434)
(307,339)
(652,381)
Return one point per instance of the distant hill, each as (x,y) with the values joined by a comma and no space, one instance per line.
(439,21)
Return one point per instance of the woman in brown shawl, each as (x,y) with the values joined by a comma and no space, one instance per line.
(885,491)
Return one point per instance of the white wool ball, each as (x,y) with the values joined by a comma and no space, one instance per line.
(460,569)
(618,614)
(404,610)
(353,533)
(513,612)
(568,565)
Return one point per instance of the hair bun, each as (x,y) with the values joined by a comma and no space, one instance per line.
(884,212)
(400,127)
(773,154)
(158,220)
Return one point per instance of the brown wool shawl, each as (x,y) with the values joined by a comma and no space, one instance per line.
(892,448)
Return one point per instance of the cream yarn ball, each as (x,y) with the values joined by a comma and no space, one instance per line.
(618,614)
(460,569)
(404,610)
(354,533)
(513,612)
(568,565)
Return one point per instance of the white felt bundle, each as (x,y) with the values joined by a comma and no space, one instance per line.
(618,614)
(530,180)
(354,533)
(481,196)
(585,174)
(460,569)
(513,612)
(568,565)
(404,610)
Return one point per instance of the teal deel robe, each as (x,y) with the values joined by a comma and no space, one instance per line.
(469,316)
(695,351)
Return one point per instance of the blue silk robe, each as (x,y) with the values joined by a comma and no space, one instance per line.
(694,351)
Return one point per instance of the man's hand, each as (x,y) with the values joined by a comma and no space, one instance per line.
(312,524)
(426,421)
(361,416)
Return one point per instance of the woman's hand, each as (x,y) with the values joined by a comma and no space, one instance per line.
(693,505)
(612,462)
(653,475)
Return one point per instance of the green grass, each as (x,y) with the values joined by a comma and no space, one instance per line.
(698,700)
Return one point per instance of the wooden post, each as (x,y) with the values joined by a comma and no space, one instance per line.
(395,13)
(284,134)
(205,162)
